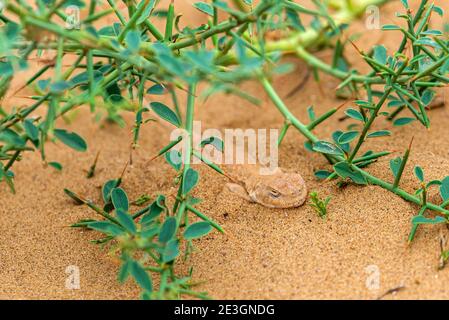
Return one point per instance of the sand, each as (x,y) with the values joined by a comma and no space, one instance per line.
(265,253)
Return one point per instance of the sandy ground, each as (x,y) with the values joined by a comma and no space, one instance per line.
(265,253)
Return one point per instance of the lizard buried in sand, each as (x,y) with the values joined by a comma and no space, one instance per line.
(278,189)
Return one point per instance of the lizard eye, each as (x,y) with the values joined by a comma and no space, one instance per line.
(275,193)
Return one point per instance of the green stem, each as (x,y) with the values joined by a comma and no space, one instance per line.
(415,226)
(90,72)
(188,148)
(132,22)
(11,161)
(403,194)
(117,12)
(225,26)
(205,218)
(286,112)
(333,159)
(288,115)
(169,22)
(369,123)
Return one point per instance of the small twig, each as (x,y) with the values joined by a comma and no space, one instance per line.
(91,171)
(443,251)
(391,291)
(301,85)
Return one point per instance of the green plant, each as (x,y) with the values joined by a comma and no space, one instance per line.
(318,204)
(119,65)
(116,67)
(134,49)
(147,241)
(406,80)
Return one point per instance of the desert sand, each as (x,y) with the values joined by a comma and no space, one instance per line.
(265,253)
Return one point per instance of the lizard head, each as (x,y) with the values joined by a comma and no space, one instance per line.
(286,190)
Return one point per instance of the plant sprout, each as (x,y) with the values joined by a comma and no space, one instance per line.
(319,205)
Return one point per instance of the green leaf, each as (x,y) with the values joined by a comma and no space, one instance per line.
(8,176)
(380,54)
(133,40)
(190,180)
(347,137)
(146,13)
(322,174)
(308,146)
(197,230)
(6,69)
(419,173)
(216,142)
(432,33)
(427,97)
(69,193)
(405,4)
(417,58)
(311,113)
(168,230)
(11,29)
(390,27)
(55,165)
(165,113)
(43,84)
(126,221)
(31,130)
(71,139)
(395,165)
(120,199)
(12,138)
(124,271)
(354,114)
(327,148)
(157,89)
(381,133)
(106,190)
(78,3)
(60,86)
(444,189)
(141,276)
(433,183)
(204,7)
(83,78)
(106,227)
(403,121)
(416,220)
(396,103)
(154,211)
(438,10)
(174,158)
(344,170)
(426,42)
(149,233)
(171,251)
(364,104)
(91,30)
